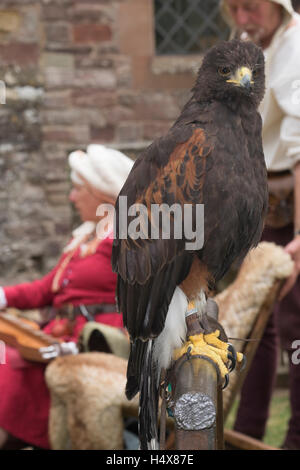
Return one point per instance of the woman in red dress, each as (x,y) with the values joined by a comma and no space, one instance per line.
(83,276)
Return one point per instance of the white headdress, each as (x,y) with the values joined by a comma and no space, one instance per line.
(103,168)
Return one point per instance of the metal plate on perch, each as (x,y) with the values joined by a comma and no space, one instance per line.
(194,411)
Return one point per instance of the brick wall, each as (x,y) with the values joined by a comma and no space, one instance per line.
(76,72)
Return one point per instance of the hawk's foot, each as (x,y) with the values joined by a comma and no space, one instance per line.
(208,344)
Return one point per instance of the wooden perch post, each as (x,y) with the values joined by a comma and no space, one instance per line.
(197,400)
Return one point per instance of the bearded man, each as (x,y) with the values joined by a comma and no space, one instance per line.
(274,25)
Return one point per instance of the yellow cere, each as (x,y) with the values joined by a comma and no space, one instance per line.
(240,73)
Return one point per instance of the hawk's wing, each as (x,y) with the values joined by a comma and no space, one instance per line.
(172,170)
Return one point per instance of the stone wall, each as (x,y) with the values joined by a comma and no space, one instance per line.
(76,72)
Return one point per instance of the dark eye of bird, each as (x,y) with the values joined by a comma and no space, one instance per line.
(224,71)
(254,73)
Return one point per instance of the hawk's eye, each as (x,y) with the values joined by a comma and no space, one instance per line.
(224,71)
(254,73)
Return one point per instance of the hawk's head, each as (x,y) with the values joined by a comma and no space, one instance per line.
(231,71)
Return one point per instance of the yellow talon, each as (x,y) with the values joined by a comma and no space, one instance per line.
(213,340)
(211,346)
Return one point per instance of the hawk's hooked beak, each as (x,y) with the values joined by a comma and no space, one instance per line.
(242,77)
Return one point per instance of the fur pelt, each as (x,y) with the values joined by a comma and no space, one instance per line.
(241,302)
(88,401)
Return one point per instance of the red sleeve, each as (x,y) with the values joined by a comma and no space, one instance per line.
(31,294)
(106,247)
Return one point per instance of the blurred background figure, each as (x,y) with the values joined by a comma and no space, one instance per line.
(275,26)
(296,5)
(81,287)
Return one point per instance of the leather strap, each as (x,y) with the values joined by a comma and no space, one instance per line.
(89,311)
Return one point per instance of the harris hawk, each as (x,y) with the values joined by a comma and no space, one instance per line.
(213,156)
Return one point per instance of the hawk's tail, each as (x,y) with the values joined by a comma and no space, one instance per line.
(135,365)
(144,380)
(148,421)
